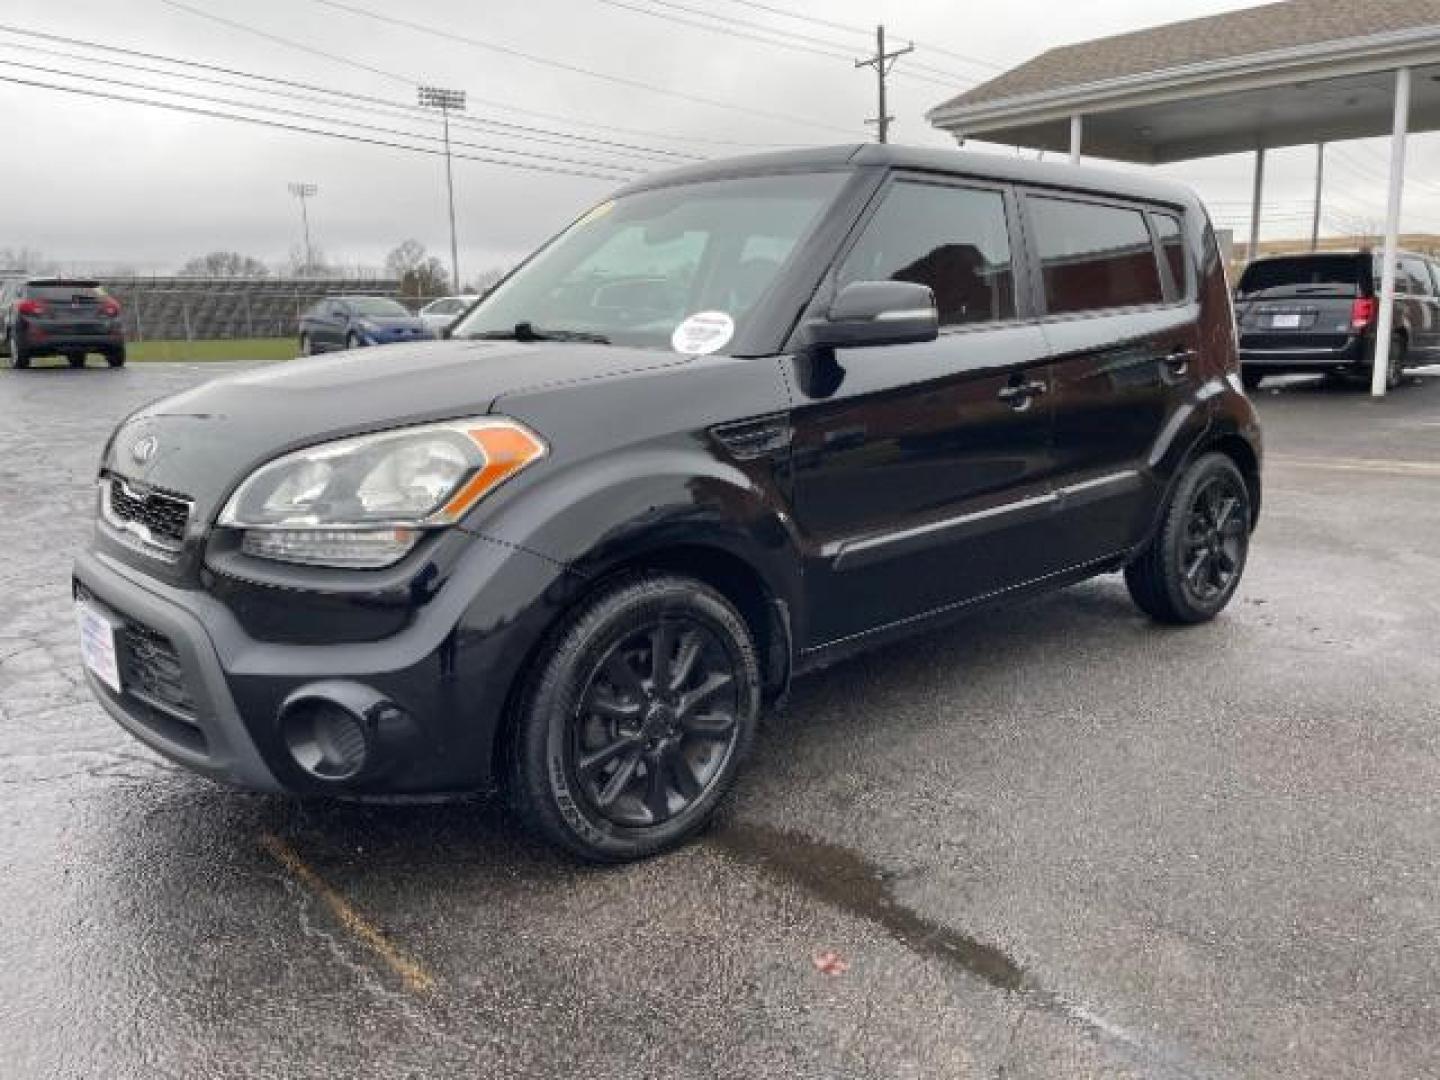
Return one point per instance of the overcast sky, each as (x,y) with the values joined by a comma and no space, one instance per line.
(94,181)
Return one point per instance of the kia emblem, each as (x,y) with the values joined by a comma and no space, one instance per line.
(142,450)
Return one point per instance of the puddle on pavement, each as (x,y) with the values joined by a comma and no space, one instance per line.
(845,880)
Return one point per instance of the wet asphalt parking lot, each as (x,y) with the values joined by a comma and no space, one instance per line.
(1055,841)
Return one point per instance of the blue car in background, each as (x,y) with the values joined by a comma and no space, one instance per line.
(351,322)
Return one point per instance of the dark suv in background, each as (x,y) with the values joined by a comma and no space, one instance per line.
(1319,313)
(734,424)
(51,316)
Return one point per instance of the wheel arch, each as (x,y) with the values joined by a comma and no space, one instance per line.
(716,563)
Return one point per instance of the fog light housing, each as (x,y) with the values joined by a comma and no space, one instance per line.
(326,741)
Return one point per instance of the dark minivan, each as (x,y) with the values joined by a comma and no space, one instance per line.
(733,424)
(69,317)
(1319,313)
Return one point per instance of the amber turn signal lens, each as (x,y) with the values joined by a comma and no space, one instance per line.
(507,449)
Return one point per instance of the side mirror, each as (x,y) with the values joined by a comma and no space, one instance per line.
(877,313)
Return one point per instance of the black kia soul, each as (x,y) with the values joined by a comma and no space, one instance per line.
(734,423)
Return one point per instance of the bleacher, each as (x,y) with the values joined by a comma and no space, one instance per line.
(187,308)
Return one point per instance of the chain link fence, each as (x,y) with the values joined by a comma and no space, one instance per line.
(200,309)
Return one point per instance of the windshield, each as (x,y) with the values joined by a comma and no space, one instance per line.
(1309,275)
(633,269)
(368,305)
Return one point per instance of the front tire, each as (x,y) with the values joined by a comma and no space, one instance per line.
(354,341)
(1191,568)
(642,708)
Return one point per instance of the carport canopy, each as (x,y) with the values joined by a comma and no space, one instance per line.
(1283,74)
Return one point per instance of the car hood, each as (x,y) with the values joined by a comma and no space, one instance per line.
(208,439)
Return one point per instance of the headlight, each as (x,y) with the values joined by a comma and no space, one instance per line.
(364,502)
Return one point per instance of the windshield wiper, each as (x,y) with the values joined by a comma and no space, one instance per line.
(525,331)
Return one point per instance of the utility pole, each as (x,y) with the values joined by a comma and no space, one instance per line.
(303,192)
(1319,192)
(447,101)
(882,62)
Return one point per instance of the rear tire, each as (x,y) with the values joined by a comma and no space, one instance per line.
(1192,566)
(19,358)
(115,357)
(1251,379)
(631,731)
(76,361)
(1396,367)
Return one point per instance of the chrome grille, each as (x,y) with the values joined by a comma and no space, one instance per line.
(157,518)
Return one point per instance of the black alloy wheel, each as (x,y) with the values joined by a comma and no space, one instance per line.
(642,705)
(1191,568)
(1215,535)
(657,722)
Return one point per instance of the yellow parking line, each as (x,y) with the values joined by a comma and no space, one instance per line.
(416,978)
(1370,465)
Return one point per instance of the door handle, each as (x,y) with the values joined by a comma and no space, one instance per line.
(1177,363)
(1019,395)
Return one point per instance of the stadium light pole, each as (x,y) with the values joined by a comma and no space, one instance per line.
(447,101)
(304,192)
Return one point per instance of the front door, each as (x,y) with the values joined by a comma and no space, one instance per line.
(920,471)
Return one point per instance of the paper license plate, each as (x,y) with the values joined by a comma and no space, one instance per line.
(97,644)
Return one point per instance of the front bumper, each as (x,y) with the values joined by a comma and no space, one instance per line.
(449,671)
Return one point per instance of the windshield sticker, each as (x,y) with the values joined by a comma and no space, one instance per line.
(703,333)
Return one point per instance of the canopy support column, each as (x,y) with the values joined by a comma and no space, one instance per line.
(1077,134)
(1381,364)
(1319,189)
(1253,251)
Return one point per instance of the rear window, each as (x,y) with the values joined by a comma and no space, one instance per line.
(62,291)
(1094,256)
(1328,275)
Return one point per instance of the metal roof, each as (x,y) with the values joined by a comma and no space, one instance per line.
(1277,75)
(1291,24)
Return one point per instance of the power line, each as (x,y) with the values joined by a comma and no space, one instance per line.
(296,114)
(394,76)
(793,41)
(853,28)
(363,103)
(520,54)
(282,126)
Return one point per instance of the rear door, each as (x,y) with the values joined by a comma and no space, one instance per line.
(1296,303)
(1121,320)
(71,307)
(919,471)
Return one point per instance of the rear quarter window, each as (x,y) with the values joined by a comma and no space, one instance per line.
(1093,256)
(64,292)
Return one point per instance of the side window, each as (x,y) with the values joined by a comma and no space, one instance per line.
(1172,247)
(1413,276)
(953,239)
(1093,257)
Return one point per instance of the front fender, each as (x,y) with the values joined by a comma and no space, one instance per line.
(595,515)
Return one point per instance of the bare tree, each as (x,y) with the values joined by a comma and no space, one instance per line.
(420,273)
(224,264)
(24,260)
